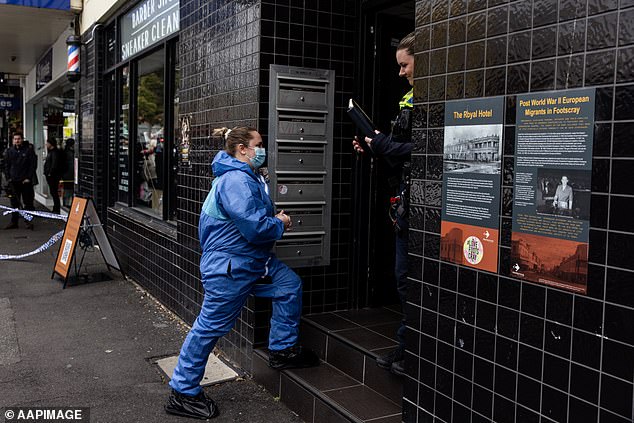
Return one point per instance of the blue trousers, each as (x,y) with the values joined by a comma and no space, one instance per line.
(224,297)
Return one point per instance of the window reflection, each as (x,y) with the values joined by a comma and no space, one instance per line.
(150,133)
(124,136)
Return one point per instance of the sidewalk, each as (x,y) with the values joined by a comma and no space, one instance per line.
(95,344)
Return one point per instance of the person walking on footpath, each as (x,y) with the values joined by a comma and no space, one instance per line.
(396,149)
(20,164)
(54,167)
(237,230)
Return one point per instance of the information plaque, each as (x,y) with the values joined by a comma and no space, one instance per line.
(471,182)
(552,187)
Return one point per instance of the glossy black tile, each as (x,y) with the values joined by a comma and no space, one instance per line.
(482,401)
(503,410)
(530,362)
(581,411)
(544,42)
(528,392)
(520,15)
(532,330)
(600,68)
(508,322)
(554,404)
(542,75)
(616,396)
(506,352)
(474,84)
(497,20)
(616,323)
(602,31)
(616,359)
(618,246)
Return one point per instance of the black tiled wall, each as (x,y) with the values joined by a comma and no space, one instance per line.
(91,149)
(487,347)
(316,34)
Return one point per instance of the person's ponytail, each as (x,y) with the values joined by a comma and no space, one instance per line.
(234,137)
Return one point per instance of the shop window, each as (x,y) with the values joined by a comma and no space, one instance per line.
(150,133)
(147,104)
(123,168)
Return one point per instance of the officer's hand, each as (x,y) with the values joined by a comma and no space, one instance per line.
(369,140)
(26,181)
(356,146)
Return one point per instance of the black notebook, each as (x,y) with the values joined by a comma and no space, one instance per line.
(360,119)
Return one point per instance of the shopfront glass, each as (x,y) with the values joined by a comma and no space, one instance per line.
(124,136)
(150,132)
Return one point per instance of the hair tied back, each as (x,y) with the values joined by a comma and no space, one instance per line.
(227,134)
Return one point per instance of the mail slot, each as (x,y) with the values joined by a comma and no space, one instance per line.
(300,249)
(301,124)
(298,158)
(306,189)
(305,218)
(302,96)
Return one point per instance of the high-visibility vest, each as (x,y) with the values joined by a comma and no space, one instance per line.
(407,100)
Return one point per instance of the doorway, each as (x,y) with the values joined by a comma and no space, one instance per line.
(383,25)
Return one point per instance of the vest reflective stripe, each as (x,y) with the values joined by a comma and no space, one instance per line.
(407,100)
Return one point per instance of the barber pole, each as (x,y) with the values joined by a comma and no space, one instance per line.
(74,44)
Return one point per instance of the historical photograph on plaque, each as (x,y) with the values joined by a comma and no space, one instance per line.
(473,149)
(563,193)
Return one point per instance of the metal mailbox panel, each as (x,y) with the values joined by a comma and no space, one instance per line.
(300,158)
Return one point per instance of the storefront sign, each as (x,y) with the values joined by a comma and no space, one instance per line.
(44,4)
(471,182)
(551,206)
(147,24)
(44,70)
(9,102)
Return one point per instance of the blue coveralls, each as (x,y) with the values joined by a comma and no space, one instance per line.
(237,230)
(396,149)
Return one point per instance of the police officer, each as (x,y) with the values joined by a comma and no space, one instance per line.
(396,149)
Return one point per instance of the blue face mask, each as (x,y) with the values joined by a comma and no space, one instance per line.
(260,156)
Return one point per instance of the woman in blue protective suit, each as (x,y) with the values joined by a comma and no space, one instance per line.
(237,230)
(396,149)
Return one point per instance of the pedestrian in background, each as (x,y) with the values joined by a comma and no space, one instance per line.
(54,167)
(20,165)
(237,230)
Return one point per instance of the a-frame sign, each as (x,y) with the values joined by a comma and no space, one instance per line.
(82,216)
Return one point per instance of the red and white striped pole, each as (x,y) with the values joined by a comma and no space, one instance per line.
(74,43)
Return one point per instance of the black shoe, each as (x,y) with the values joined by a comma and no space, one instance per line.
(398,368)
(11,225)
(293,358)
(385,361)
(198,407)
(29,225)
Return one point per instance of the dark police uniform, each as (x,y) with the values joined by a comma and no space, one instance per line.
(396,150)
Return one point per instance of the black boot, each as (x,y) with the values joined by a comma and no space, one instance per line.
(197,407)
(385,361)
(293,358)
